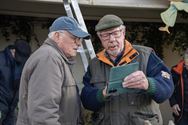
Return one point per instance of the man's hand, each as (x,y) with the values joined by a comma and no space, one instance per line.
(104,92)
(136,80)
(176,109)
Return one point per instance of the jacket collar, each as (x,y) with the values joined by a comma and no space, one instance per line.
(53,44)
(128,55)
(179,67)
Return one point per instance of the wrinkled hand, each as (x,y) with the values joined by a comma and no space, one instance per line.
(176,109)
(104,92)
(136,80)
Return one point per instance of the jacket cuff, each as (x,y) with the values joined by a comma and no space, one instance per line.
(152,87)
(100,96)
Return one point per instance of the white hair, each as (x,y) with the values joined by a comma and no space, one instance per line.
(51,34)
(122,27)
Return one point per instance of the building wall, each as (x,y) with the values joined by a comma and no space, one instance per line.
(170,58)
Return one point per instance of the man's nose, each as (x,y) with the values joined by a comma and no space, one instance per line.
(79,42)
(111,38)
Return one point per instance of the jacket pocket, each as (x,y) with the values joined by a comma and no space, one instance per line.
(97,118)
(139,118)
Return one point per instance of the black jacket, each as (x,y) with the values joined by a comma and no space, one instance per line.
(178,94)
(10,73)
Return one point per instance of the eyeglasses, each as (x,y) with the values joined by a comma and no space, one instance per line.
(77,40)
(106,36)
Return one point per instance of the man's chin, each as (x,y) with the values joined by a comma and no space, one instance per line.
(114,52)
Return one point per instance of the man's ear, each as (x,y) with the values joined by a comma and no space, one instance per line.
(124,30)
(56,35)
(98,34)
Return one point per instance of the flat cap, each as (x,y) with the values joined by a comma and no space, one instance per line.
(107,22)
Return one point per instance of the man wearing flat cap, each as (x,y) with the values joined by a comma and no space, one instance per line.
(12,60)
(48,92)
(149,83)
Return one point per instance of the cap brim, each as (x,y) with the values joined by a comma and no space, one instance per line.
(80,33)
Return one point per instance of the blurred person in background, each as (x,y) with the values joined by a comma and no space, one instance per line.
(179,99)
(12,60)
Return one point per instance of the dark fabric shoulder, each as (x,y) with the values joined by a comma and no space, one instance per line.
(94,61)
(2,58)
(143,49)
(144,54)
(5,57)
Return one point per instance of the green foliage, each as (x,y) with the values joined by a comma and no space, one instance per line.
(147,34)
(20,26)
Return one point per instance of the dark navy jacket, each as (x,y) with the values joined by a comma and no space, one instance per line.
(178,75)
(10,73)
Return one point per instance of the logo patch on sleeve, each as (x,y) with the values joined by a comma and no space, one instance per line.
(165,74)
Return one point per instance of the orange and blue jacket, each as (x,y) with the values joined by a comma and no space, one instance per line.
(160,88)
